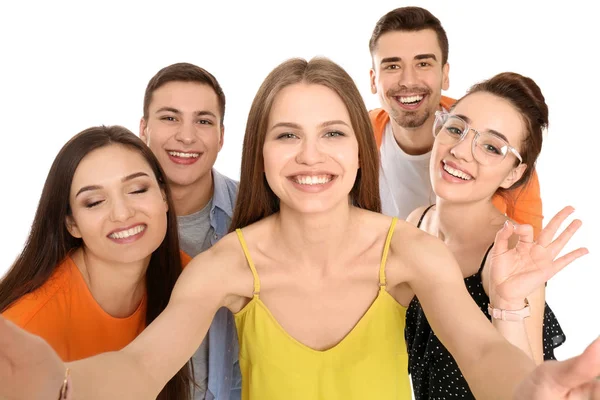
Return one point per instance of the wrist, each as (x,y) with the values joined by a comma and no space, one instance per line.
(509,314)
(509,305)
(65,389)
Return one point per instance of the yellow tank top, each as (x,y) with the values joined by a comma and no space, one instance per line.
(371,362)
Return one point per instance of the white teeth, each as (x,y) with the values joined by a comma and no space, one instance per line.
(129,232)
(457,173)
(184,155)
(411,99)
(313,180)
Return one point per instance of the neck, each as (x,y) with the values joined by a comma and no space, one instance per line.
(314,240)
(189,199)
(117,288)
(414,141)
(454,228)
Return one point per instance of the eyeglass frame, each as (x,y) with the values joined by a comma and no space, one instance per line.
(439,114)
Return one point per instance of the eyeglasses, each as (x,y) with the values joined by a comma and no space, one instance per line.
(487,147)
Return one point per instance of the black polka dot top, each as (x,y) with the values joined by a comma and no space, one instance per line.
(435,375)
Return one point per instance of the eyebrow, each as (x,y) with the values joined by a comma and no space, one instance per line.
(176,111)
(426,56)
(296,126)
(493,132)
(97,187)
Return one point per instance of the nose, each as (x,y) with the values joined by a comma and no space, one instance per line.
(121,209)
(463,149)
(186,133)
(408,77)
(310,152)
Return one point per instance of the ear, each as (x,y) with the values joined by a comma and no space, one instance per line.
(72,227)
(513,176)
(372,77)
(144,131)
(446,77)
(222,137)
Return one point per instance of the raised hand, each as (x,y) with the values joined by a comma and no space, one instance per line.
(29,368)
(516,273)
(575,379)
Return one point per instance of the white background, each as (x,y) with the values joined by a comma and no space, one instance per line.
(65,67)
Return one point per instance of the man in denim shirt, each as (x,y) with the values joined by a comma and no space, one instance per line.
(184,107)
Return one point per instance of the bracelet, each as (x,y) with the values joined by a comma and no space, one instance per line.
(510,315)
(65,390)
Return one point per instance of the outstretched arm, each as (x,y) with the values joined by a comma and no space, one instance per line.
(29,368)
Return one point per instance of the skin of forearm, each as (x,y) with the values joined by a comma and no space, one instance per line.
(103,377)
(516,334)
(501,368)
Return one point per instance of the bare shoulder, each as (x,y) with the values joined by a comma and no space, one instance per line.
(414,253)
(221,270)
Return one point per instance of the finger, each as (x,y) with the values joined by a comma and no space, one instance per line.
(565,260)
(547,234)
(557,245)
(525,238)
(501,241)
(577,371)
(525,233)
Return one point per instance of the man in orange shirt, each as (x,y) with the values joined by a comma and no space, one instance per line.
(409,50)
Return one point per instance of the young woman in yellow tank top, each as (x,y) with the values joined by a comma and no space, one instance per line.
(317,278)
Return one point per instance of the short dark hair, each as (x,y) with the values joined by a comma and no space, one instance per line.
(410,19)
(183,72)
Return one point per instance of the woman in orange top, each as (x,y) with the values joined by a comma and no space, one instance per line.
(102,256)
(316,277)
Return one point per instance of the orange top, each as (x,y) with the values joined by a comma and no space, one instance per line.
(523,204)
(65,314)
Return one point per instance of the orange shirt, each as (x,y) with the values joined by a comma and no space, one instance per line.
(65,314)
(523,204)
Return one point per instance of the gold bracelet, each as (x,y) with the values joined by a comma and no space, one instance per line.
(66,386)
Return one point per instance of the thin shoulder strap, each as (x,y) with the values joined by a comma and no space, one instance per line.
(423,215)
(485,258)
(386,247)
(250,263)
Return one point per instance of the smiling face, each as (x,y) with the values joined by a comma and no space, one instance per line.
(184,131)
(408,76)
(117,205)
(310,150)
(455,174)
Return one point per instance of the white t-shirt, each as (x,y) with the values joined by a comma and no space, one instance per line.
(404,183)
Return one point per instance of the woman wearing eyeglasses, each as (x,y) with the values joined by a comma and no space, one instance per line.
(485,145)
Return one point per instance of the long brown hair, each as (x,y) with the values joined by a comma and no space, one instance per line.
(49,241)
(255,199)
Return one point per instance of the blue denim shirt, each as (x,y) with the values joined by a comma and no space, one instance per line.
(224,377)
